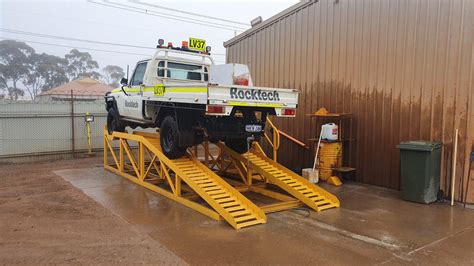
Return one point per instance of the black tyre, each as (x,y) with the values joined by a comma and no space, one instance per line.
(213,140)
(238,145)
(169,138)
(113,122)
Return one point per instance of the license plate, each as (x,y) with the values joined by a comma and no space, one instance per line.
(253,128)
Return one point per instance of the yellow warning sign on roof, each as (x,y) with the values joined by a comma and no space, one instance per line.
(197,44)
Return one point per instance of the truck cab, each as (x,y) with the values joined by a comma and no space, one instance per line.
(181,91)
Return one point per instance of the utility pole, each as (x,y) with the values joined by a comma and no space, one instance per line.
(73,137)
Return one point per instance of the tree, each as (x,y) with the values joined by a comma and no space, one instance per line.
(45,72)
(112,75)
(14,64)
(3,86)
(81,64)
(55,72)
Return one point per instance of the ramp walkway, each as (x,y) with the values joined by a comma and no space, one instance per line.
(225,200)
(139,158)
(310,194)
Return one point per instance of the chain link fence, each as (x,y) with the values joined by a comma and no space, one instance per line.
(30,131)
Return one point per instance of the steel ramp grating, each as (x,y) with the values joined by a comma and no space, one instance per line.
(223,198)
(312,195)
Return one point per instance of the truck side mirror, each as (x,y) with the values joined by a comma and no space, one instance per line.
(124,81)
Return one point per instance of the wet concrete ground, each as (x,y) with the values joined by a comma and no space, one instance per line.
(373,226)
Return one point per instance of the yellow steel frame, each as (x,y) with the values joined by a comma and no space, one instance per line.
(249,172)
(225,165)
(150,169)
(147,169)
(275,140)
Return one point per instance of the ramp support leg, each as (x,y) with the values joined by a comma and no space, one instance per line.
(122,157)
(249,177)
(178,185)
(141,160)
(106,160)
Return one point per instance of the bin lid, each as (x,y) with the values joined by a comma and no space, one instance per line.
(420,145)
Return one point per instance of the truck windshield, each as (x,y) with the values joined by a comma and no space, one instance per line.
(182,71)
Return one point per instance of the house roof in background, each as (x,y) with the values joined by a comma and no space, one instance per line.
(84,86)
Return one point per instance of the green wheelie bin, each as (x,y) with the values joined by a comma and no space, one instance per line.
(420,168)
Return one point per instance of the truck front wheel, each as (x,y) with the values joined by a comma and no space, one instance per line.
(113,122)
(169,138)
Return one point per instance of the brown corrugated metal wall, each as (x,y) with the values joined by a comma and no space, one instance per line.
(404,68)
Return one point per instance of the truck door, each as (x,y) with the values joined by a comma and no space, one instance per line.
(133,103)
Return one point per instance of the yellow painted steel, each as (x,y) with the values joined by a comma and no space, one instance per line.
(275,141)
(330,157)
(88,130)
(281,206)
(334,180)
(225,201)
(186,179)
(310,194)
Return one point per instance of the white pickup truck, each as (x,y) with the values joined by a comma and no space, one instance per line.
(181,91)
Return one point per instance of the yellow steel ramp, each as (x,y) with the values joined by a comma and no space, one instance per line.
(226,200)
(310,194)
(235,208)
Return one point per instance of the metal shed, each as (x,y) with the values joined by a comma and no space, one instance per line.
(404,68)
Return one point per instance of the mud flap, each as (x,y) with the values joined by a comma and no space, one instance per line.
(187,120)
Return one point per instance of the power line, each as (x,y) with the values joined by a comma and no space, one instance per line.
(187,12)
(83,48)
(82,21)
(71,39)
(172,17)
(75,47)
(189,20)
(34,34)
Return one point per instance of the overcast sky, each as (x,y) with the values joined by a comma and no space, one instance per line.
(82,19)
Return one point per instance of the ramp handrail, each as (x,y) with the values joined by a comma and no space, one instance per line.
(276,139)
(275,144)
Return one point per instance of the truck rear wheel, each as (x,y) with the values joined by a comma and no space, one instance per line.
(113,122)
(169,138)
(238,145)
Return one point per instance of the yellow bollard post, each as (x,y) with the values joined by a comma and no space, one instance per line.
(89,138)
(88,119)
